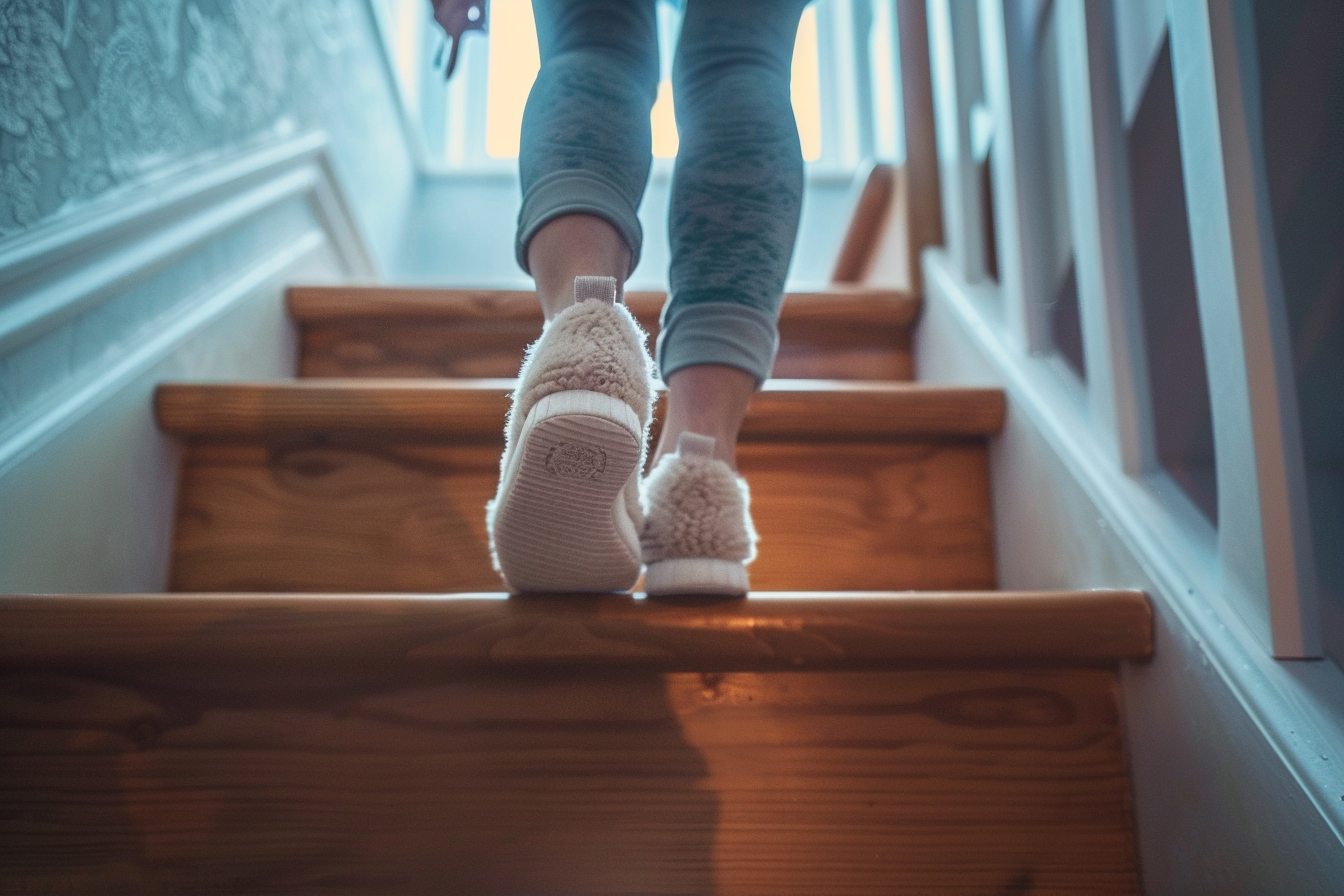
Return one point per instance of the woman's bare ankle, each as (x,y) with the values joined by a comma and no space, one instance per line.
(708,399)
(574,246)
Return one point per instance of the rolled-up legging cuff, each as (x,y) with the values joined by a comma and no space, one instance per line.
(718,333)
(576,193)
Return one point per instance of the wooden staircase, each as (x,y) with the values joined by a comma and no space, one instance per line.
(899,727)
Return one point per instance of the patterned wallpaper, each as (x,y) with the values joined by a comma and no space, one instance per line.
(100,94)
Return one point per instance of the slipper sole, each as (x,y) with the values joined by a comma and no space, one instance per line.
(696,575)
(562,522)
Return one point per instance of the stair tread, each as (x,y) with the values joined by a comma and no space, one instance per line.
(832,410)
(767,631)
(857,306)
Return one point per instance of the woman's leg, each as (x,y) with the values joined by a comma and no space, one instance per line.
(575,245)
(736,200)
(585,151)
(566,516)
(710,399)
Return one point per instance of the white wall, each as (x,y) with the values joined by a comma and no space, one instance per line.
(184,281)
(167,168)
(1236,760)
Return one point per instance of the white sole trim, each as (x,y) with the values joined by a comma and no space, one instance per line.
(562,521)
(697,575)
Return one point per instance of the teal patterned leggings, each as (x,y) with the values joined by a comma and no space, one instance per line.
(738,184)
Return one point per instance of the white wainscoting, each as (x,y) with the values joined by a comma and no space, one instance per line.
(1237,759)
(179,279)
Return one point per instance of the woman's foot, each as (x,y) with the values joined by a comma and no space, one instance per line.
(567,514)
(698,537)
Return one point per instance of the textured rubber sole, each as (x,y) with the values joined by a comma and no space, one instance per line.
(562,517)
(696,576)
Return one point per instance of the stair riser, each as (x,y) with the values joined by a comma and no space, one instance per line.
(417,348)
(349,515)
(966,781)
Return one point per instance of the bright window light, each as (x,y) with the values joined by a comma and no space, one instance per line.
(664,120)
(805,85)
(887,135)
(406,34)
(514,61)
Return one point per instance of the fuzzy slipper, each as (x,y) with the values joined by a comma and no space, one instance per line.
(567,515)
(698,537)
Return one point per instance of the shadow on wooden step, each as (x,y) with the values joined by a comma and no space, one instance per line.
(471,744)
(569,783)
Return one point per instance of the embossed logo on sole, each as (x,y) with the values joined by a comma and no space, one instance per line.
(570,460)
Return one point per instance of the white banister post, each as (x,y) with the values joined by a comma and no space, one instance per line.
(1263,525)
(1103,237)
(956,72)
(1018,195)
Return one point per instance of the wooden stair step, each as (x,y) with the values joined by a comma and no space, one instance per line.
(401,634)
(850,332)
(381,486)
(473,410)
(471,744)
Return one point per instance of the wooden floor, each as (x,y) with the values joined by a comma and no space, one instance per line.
(324,714)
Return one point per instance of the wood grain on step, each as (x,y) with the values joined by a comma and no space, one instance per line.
(919,781)
(863,305)
(383,350)
(375,638)
(330,516)
(865,516)
(438,410)
(841,410)
(337,515)
(474,410)
(848,332)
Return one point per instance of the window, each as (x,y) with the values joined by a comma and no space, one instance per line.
(888,111)
(513,62)
(472,123)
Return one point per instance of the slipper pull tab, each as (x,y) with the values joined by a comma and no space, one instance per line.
(693,444)
(599,289)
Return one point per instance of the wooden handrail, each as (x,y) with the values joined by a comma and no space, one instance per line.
(866,225)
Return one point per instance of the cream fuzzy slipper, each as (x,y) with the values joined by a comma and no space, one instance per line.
(567,515)
(698,537)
